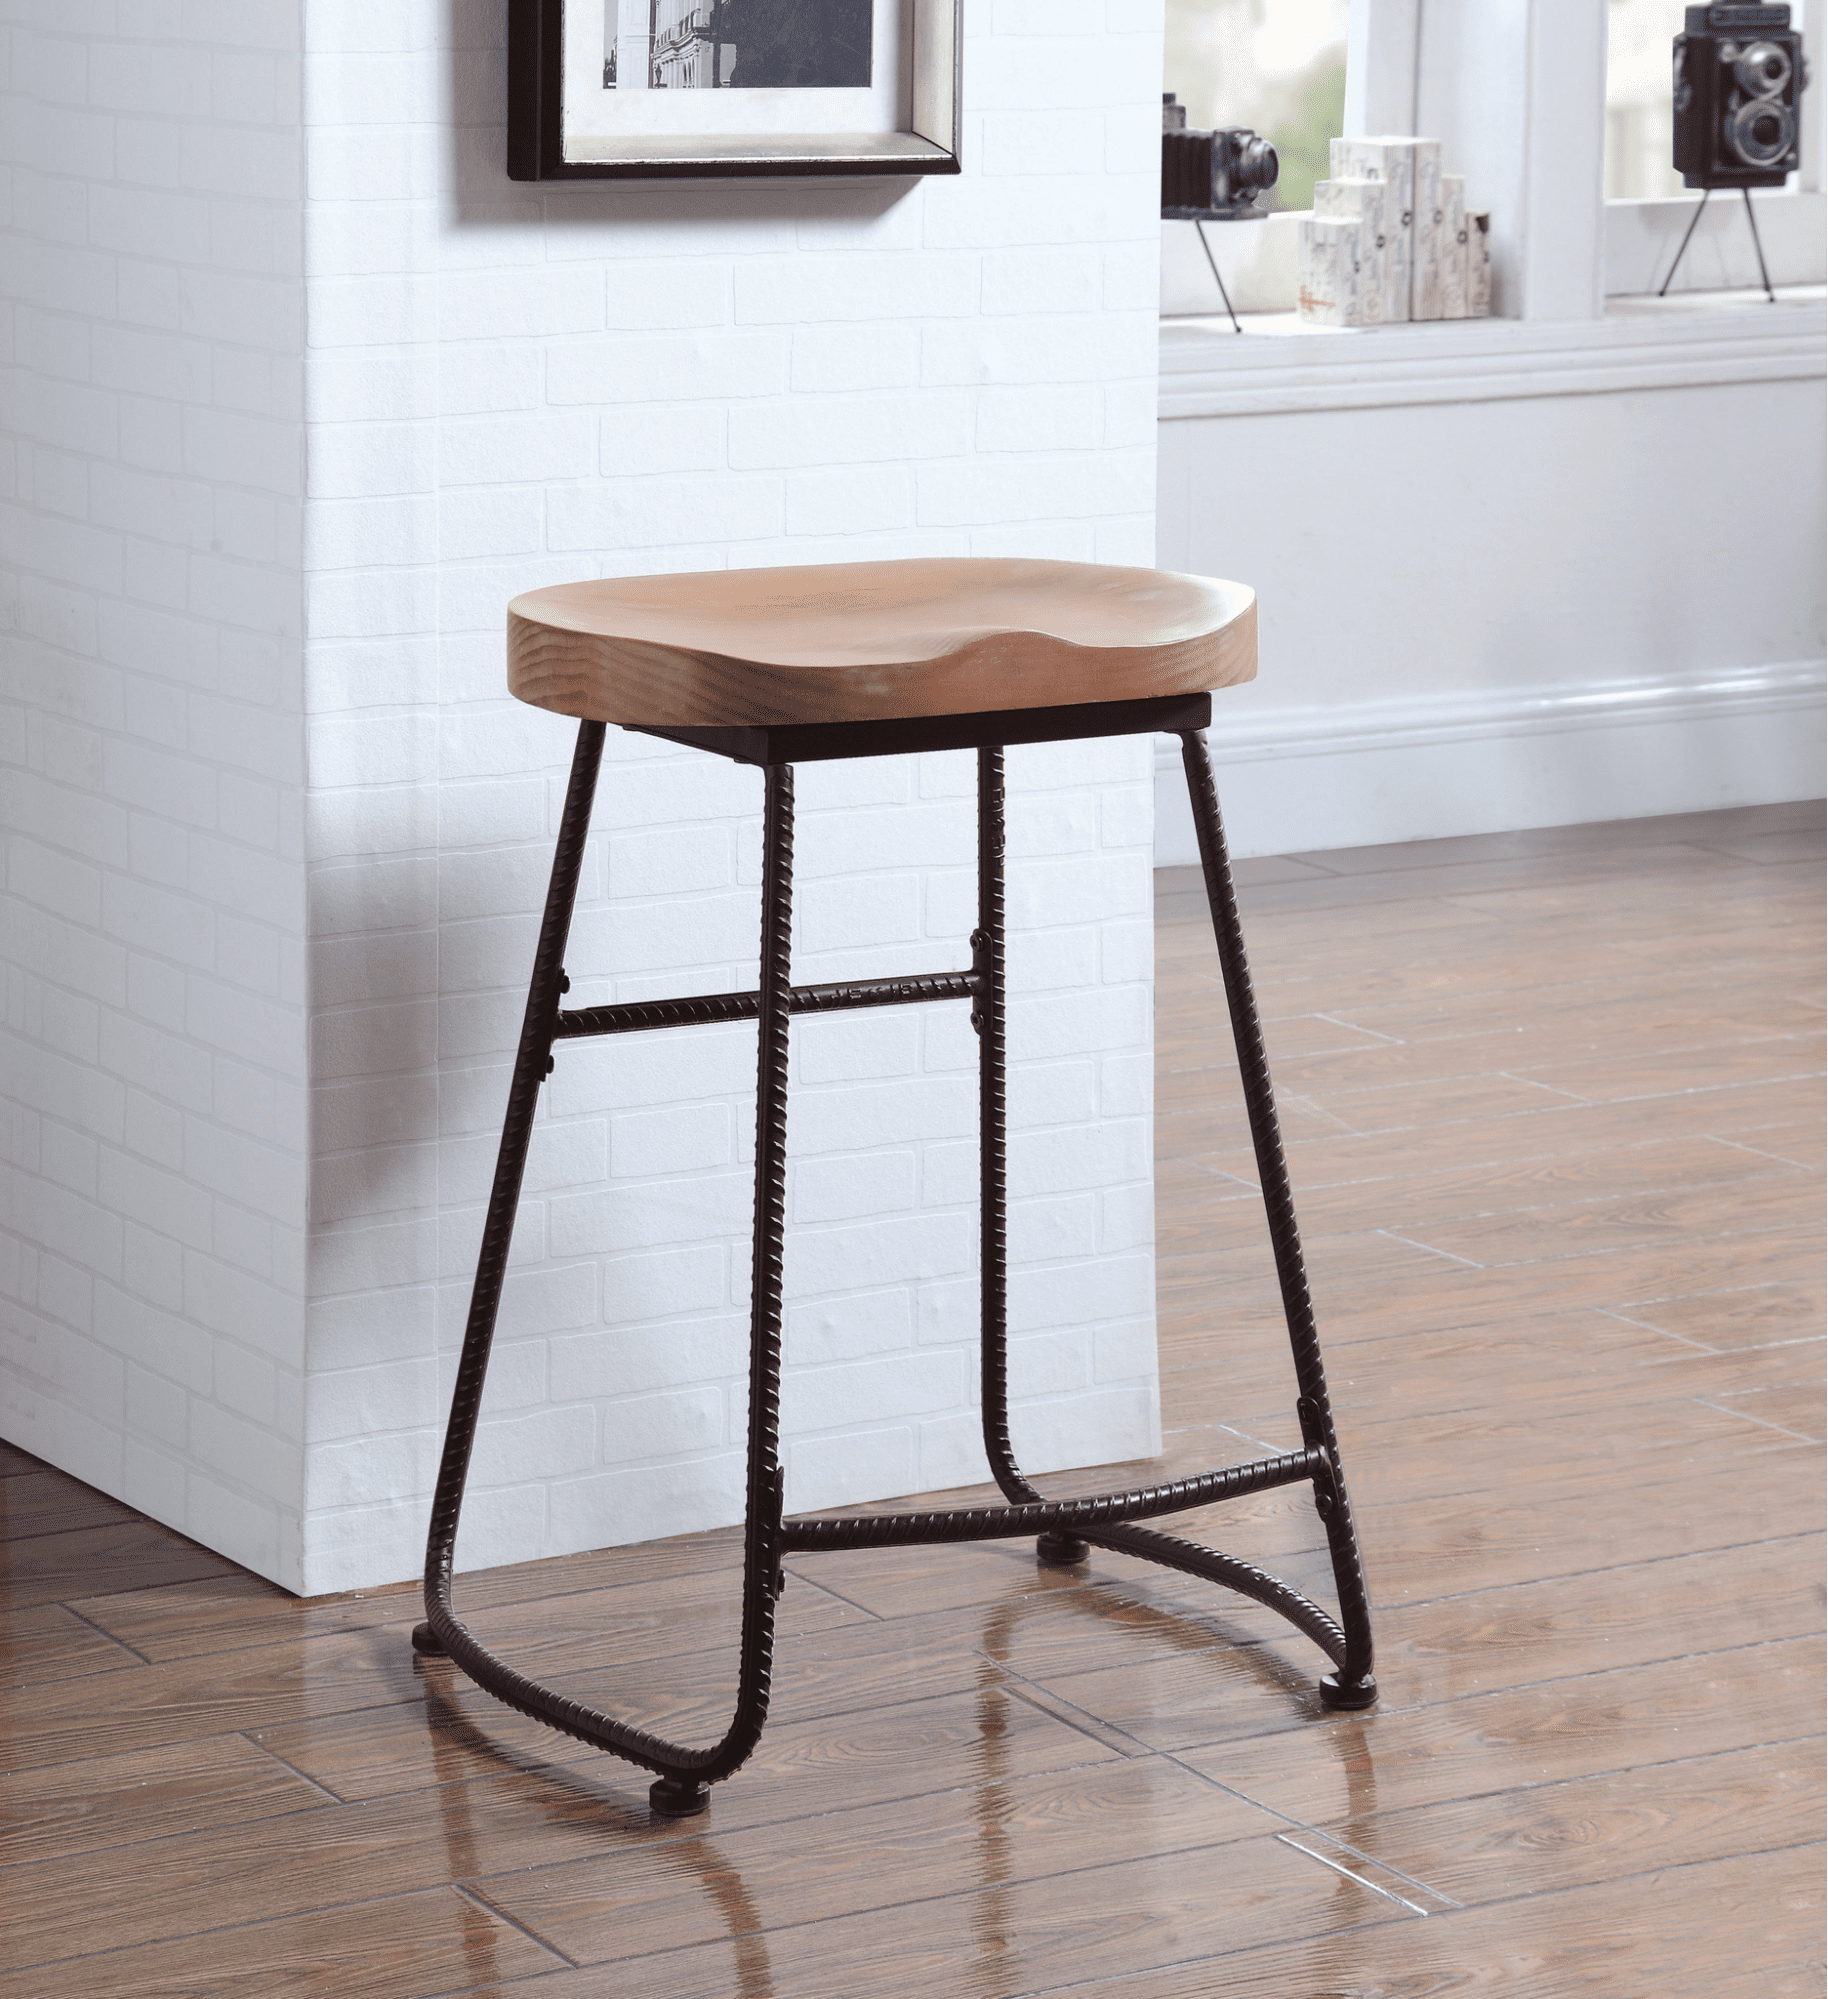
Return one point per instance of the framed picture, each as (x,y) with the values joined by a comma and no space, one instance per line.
(696,89)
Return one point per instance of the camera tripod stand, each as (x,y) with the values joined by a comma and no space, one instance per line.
(1199,217)
(1663,288)
(1200,225)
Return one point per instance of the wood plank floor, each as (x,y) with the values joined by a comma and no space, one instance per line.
(1554,1105)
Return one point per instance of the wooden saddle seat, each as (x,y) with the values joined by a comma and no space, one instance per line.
(868,641)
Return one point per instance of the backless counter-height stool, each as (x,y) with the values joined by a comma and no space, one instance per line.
(782,666)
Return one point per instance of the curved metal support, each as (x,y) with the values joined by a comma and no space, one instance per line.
(684,1772)
(1232,1574)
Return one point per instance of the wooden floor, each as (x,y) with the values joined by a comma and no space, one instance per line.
(1554,1106)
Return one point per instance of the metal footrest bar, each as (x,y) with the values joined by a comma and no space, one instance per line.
(1009,1523)
(708,1009)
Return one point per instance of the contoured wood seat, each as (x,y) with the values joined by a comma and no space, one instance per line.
(874,641)
(778,666)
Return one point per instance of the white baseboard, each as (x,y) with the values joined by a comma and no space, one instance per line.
(1431,767)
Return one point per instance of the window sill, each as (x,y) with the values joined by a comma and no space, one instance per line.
(1695,340)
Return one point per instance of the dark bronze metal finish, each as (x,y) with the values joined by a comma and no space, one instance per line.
(711,1007)
(678,1797)
(820,742)
(1065,1529)
(1354,1686)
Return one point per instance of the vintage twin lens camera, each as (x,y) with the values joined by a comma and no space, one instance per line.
(1212,176)
(1738,75)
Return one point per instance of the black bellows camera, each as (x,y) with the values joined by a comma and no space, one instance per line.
(1212,176)
(1738,76)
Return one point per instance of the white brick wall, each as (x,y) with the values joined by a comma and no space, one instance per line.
(152,1264)
(504,386)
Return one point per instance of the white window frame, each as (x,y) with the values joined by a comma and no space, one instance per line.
(1515,91)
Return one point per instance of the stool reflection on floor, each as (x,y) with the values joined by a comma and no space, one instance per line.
(778,667)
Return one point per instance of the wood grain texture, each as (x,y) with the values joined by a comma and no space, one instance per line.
(103,1801)
(51,1642)
(41,1502)
(1571,1726)
(876,1856)
(1795,1409)
(55,1567)
(1010,1936)
(1732,1929)
(400,1947)
(1582,1465)
(1614,1824)
(871,641)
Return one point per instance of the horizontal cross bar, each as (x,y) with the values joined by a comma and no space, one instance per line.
(1007,1523)
(708,1008)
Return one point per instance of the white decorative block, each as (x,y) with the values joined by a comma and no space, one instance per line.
(1478,265)
(1329,271)
(1391,159)
(1368,203)
(1453,246)
(1429,247)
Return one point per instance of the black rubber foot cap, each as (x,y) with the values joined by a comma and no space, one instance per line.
(678,1798)
(427,1641)
(1062,1551)
(1348,1694)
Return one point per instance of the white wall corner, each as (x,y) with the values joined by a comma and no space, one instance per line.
(277,825)
(153,1088)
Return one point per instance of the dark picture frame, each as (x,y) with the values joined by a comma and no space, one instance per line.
(537,149)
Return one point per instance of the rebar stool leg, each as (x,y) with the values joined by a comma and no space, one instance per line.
(679,1795)
(685,1774)
(1352,1684)
(988,1016)
(532,1062)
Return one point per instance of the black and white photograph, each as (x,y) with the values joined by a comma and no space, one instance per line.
(738,45)
(677,87)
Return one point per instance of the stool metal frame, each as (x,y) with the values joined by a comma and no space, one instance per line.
(1063,1527)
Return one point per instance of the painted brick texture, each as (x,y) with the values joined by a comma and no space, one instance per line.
(502,387)
(510,386)
(152,1225)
